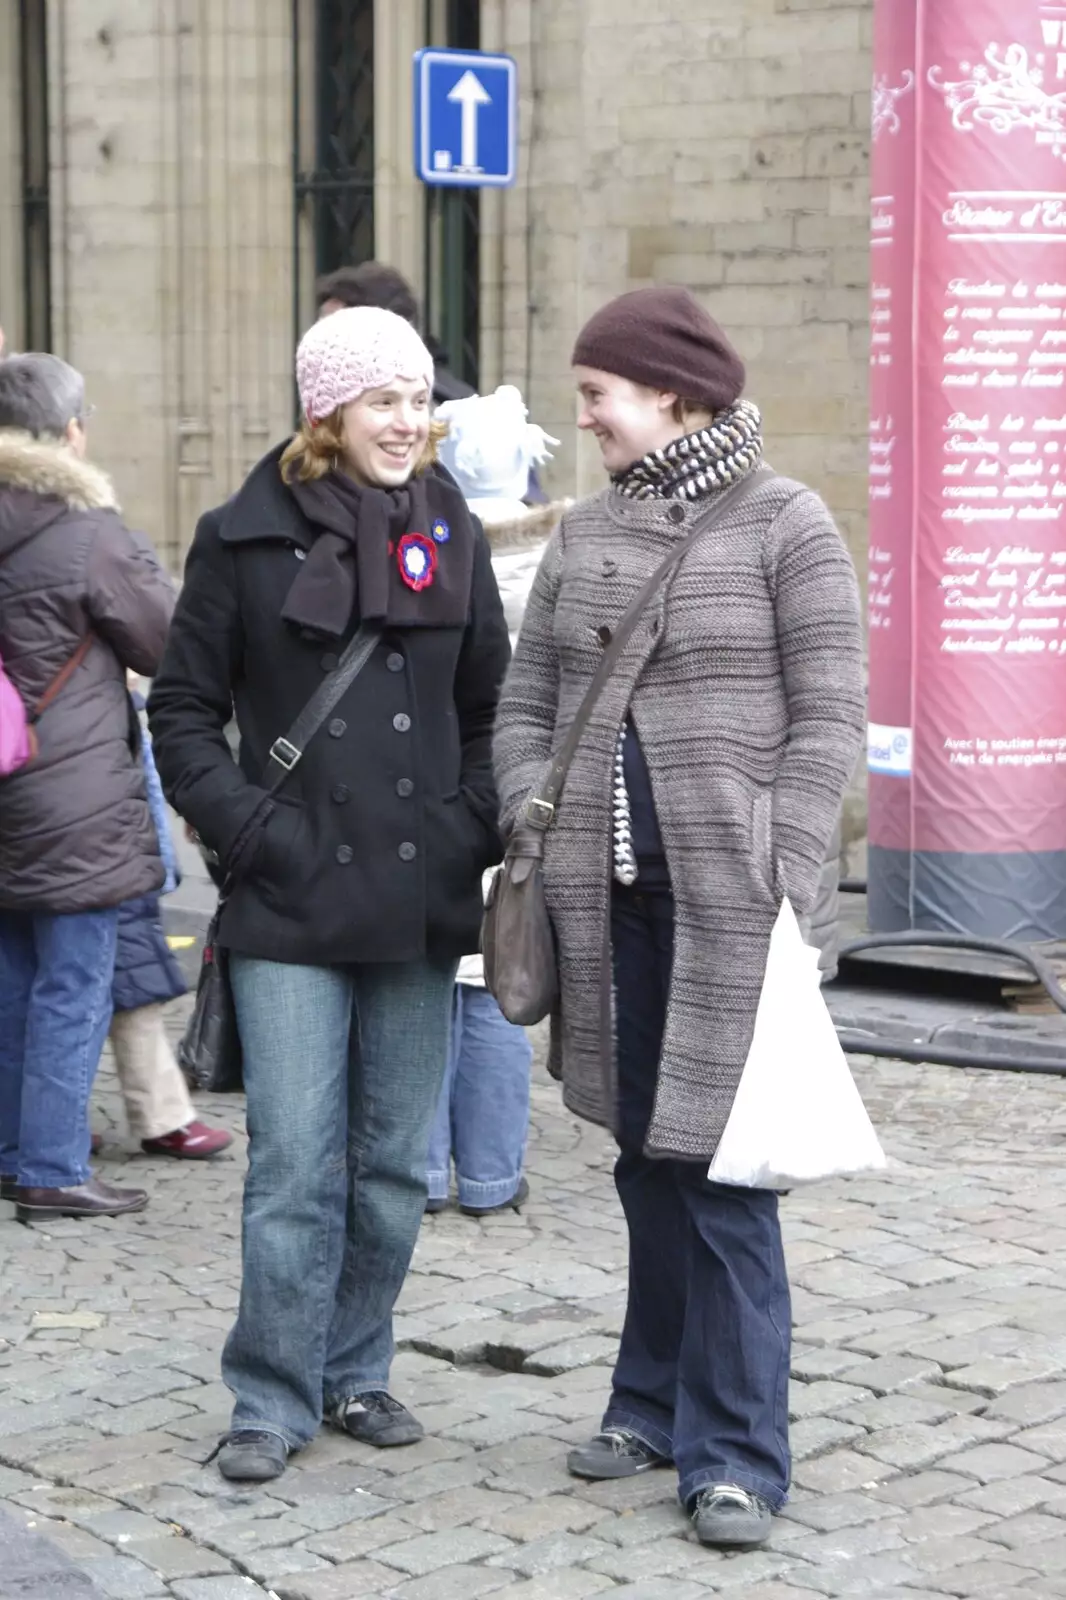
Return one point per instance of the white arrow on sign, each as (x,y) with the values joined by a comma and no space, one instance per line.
(470,93)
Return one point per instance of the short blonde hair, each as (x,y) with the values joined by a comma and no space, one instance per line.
(316,448)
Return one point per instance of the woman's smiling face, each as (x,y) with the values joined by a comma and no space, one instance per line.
(385,433)
(627,419)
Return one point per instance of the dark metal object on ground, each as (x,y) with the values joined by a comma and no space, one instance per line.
(948,999)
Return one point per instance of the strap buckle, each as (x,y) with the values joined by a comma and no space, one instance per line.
(285,753)
(540,813)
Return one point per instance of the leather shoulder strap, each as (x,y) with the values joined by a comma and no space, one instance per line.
(540,812)
(287,752)
(62,678)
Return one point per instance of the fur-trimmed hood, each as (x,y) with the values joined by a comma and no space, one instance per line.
(47,467)
(517,550)
(536,527)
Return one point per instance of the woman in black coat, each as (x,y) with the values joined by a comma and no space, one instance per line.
(357,888)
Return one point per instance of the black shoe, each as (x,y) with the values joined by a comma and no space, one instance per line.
(252,1455)
(376,1418)
(730,1517)
(7,1188)
(614,1453)
(435,1204)
(516,1202)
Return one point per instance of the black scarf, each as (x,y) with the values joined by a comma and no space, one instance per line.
(711,458)
(355,565)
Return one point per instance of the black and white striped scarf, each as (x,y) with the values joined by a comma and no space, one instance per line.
(711,458)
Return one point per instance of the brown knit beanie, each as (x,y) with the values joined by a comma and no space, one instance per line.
(663,338)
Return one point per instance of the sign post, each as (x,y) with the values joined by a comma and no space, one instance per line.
(466,119)
(967,592)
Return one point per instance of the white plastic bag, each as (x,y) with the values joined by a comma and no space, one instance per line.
(797,1116)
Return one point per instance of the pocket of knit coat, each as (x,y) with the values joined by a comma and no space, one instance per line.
(762,841)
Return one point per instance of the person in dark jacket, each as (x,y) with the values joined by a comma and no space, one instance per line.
(154,1092)
(76,834)
(358,887)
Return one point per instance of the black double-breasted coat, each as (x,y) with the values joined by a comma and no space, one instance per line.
(374,850)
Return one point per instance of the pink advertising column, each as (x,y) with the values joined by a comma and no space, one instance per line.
(967,588)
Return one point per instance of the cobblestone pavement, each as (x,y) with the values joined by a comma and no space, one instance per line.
(929,1395)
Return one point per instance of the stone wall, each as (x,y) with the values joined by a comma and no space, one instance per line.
(10,177)
(719,145)
(172,242)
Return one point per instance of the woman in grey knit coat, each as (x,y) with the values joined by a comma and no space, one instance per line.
(706,787)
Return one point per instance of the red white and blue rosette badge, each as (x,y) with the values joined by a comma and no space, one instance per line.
(440,531)
(417,557)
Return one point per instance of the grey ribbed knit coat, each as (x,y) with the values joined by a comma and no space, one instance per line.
(745,684)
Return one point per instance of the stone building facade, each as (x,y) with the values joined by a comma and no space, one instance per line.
(719,145)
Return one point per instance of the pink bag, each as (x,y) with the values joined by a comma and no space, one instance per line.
(16,740)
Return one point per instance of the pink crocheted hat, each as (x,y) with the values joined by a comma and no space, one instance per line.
(360,348)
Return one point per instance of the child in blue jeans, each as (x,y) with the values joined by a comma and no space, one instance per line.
(483,1113)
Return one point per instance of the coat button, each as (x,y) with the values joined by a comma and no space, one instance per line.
(338,728)
(401,722)
(395,662)
(328,662)
(345,853)
(676,511)
(407,851)
(341,793)
(405,788)
(604,635)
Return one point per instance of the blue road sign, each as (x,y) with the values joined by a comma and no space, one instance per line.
(466,119)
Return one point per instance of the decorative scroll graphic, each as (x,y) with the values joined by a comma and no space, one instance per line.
(1004,93)
(885,98)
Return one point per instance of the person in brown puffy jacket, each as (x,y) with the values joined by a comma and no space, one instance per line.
(82,601)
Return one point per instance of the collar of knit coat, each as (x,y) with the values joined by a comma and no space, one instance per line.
(711,458)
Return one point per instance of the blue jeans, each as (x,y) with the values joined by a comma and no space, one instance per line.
(702,1372)
(483,1113)
(342,1069)
(55,1010)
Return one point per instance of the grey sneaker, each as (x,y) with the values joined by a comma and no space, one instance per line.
(727,1515)
(376,1418)
(614,1453)
(252,1455)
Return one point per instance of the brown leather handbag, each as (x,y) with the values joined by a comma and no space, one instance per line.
(517,939)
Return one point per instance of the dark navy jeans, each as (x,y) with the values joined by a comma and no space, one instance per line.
(703,1369)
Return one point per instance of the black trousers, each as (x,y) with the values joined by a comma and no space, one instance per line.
(703,1369)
